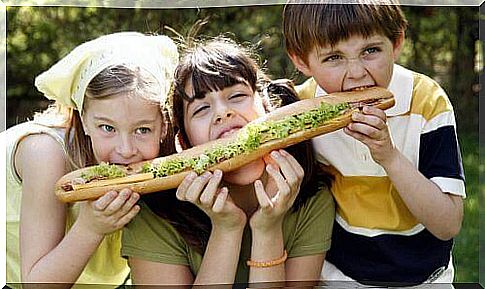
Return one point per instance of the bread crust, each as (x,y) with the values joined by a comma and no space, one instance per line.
(148,183)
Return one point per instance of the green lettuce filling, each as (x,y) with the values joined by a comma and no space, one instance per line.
(250,138)
(104,171)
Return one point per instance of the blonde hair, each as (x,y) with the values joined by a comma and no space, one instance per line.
(110,82)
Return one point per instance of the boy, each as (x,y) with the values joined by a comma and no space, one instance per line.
(399,180)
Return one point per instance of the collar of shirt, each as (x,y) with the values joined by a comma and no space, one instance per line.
(401,86)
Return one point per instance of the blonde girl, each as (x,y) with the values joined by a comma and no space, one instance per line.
(108,94)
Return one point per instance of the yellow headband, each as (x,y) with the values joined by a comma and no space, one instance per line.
(67,80)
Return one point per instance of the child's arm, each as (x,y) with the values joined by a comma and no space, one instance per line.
(275,200)
(440,212)
(47,255)
(145,272)
(305,268)
(228,223)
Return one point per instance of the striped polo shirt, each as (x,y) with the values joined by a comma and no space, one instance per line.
(376,238)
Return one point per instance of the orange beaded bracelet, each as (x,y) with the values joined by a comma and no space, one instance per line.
(264,264)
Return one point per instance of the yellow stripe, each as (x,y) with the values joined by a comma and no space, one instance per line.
(307,89)
(429,98)
(371,202)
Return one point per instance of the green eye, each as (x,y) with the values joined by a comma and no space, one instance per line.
(333,58)
(107,128)
(371,50)
(143,130)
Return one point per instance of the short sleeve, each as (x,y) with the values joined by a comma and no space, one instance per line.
(312,227)
(439,152)
(151,238)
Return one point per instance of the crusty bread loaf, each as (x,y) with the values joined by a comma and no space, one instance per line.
(147,182)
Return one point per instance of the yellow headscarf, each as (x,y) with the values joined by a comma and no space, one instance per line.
(67,80)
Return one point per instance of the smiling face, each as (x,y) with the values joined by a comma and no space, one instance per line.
(215,95)
(355,62)
(220,113)
(123,129)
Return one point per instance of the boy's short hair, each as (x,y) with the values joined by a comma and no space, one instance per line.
(308,25)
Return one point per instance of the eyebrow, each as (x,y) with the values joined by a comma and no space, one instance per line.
(375,43)
(321,54)
(141,122)
(102,118)
(194,100)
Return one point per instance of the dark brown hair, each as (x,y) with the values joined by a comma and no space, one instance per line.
(306,26)
(212,66)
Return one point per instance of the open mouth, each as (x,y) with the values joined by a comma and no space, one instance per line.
(358,88)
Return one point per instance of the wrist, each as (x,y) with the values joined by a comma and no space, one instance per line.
(267,245)
(268,234)
(392,162)
(86,231)
(266,226)
(233,229)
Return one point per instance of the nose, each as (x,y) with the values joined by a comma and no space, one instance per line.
(224,114)
(126,147)
(355,69)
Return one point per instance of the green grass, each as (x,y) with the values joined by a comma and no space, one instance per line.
(465,251)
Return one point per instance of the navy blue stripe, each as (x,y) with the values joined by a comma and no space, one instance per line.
(439,154)
(388,259)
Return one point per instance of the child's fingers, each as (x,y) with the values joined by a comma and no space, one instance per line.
(370,120)
(294,163)
(128,216)
(220,200)
(286,169)
(263,199)
(364,129)
(184,186)
(371,116)
(370,110)
(196,187)
(207,196)
(127,206)
(358,136)
(283,187)
(268,159)
(118,202)
(101,203)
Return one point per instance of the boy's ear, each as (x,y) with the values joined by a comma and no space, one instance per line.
(398,45)
(300,64)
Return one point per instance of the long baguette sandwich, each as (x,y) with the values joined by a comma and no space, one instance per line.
(281,128)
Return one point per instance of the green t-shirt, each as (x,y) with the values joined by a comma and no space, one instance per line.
(305,232)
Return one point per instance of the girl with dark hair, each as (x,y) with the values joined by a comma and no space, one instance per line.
(269,221)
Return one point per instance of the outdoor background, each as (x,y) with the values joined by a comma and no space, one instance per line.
(442,42)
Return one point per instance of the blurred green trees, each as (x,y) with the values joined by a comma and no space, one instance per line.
(441,42)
